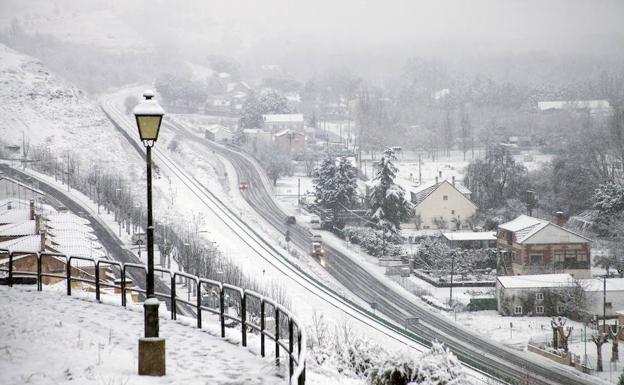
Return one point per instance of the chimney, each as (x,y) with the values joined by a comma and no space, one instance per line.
(436,180)
(559,219)
(32,209)
(453,179)
(37,224)
(440,174)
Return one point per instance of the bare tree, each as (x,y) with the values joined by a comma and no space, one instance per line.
(615,336)
(599,339)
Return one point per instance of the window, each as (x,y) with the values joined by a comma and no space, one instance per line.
(445,197)
(608,305)
(518,310)
(539,296)
(539,310)
(536,259)
(560,309)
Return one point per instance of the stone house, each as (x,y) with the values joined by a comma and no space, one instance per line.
(536,246)
(290,142)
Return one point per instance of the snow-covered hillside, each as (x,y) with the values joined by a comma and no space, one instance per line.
(41,109)
(92,23)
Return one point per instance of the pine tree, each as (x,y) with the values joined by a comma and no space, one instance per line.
(335,187)
(388,206)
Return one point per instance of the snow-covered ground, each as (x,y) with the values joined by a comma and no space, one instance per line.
(49,338)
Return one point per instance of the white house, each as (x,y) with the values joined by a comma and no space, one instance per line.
(593,106)
(532,294)
(442,205)
(279,122)
(218,133)
(595,290)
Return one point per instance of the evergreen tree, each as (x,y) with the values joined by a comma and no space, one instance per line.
(388,206)
(335,187)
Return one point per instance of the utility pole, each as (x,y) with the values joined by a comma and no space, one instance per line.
(452,271)
(604,304)
(419,169)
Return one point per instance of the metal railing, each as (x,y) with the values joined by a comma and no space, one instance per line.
(252,309)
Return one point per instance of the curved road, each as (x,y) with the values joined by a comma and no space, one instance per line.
(472,349)
(475,350)
(106,236)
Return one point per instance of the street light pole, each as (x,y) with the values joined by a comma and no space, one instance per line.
(149,115)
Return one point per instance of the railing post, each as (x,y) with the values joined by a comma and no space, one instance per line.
(97,281)
(173,297)
(222,311)
(68,272)
(39,285)
(199,310)
(301,379)
(244,319)
(11,269)
(277,349)
(262,326)
(291,342)
(123,286)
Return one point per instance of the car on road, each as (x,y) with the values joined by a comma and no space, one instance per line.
(290,220)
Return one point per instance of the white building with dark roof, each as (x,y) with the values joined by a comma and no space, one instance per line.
(442,205)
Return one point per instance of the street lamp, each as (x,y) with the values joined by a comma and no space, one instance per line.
(148,114)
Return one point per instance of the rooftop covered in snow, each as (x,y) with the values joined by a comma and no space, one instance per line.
(535,281)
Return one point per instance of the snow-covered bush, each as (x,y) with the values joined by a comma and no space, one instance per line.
(373,242)
(438,366)
(345,352)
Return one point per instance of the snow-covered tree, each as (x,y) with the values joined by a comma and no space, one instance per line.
(609,199)
(335,187)
(269,103)
(388,205)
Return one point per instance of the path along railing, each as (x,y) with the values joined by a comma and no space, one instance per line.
(254,312)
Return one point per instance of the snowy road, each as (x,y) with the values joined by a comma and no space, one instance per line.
(253,242)
(470,347)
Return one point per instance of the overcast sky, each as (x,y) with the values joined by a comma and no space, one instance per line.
(521,24)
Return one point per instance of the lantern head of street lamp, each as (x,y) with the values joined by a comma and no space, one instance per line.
(148,114)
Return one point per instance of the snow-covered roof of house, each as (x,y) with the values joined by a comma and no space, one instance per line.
(14,215)
(592,105)
(526,227)
(29,243)
(420,193)
(470,236)
(232,86)
(535,281)
(19,229)
(66,217)
(255,131)
(288,131)
(217,127)
(282,118)
(593,284)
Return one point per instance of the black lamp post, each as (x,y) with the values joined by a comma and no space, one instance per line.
(149,115)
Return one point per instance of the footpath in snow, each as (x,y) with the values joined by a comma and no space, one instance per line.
(50,338)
